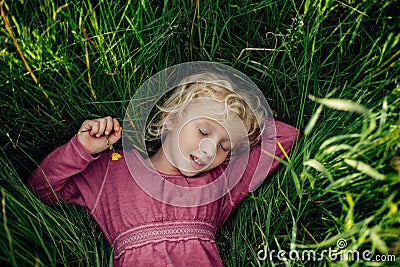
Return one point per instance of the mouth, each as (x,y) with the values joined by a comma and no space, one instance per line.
(196,162)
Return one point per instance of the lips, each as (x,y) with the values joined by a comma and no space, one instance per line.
(196,162)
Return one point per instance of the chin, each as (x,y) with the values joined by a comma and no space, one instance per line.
(189,174)
(193,173)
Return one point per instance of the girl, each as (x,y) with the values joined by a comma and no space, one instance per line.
(164,210)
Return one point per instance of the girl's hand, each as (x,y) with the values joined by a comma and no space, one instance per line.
(92,134)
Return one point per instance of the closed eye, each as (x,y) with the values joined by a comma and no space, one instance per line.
(225,146)
(203,132)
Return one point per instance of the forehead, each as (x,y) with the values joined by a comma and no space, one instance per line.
(214,112)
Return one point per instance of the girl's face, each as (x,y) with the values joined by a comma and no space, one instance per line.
(199,141)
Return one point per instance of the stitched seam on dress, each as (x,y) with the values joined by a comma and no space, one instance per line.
(227,185)
(101,188)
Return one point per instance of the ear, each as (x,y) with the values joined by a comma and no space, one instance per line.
(169,121)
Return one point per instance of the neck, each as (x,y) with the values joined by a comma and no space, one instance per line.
(161,163)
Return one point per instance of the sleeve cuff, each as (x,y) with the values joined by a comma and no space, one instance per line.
(81,150)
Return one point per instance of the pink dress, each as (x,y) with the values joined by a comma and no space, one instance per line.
(142,230)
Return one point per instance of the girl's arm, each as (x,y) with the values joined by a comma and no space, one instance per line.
(260,164)
(69,173)
(72,172)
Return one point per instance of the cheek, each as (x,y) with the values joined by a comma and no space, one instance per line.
(187,139)
(219,159)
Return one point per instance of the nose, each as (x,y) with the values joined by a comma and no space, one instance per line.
(208,147)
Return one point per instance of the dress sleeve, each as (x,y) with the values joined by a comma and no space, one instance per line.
(260,162)
(71,174)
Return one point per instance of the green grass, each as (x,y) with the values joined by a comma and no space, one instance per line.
(331,68)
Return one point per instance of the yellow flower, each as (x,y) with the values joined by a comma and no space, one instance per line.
(115,156)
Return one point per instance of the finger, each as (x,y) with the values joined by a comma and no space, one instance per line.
(109,125)
(117,126)
(102,126)
(86,126)
(116,135)
(95,128)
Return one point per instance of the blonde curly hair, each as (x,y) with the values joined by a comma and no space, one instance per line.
(216,87)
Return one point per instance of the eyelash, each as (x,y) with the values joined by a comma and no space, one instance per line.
(205,134)
(202,133)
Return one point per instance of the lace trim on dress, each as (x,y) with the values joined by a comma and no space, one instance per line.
(174,231)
